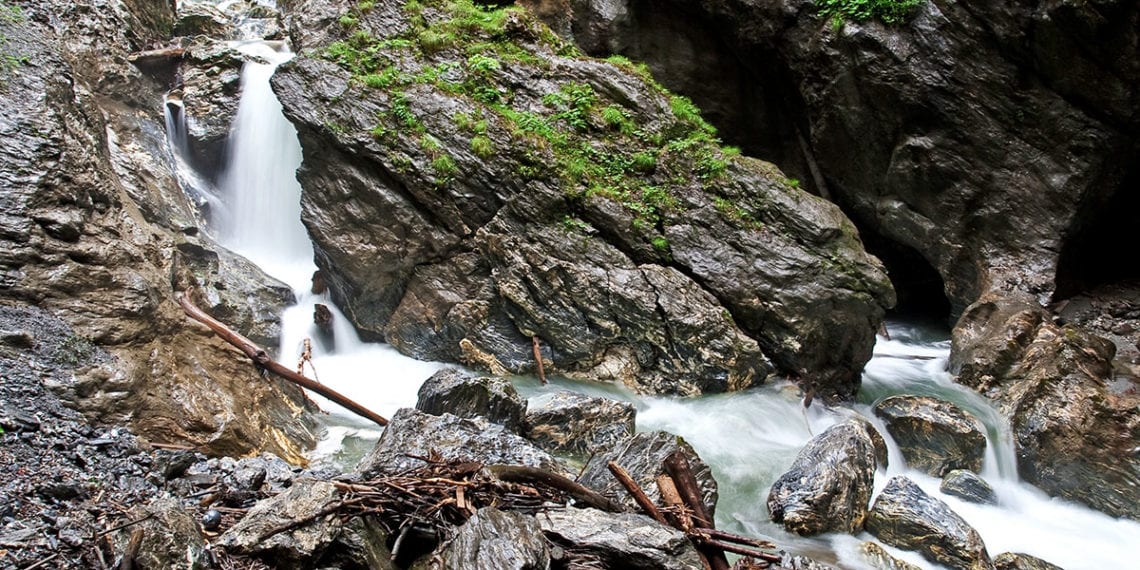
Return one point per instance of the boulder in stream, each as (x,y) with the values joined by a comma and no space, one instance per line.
(577,424)
(967,486)
(877,556)
(905,517)
(463,394)
(829,484)
(934,435)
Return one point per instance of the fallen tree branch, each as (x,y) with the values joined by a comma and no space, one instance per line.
(636,492)
(523,474)
(538,359)
(678,468)
(261,359)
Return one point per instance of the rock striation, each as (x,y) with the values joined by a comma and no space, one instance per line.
(933,435)
(905,517)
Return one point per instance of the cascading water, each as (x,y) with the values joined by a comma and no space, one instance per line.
(265,225)
(200,192)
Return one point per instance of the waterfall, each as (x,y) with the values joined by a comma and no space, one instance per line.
(200,192)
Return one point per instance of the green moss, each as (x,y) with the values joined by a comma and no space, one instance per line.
(482,147)
(9,14)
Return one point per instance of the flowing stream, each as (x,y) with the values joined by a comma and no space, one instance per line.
(748,438)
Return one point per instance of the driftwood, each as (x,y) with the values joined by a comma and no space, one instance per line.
(580,493)
(538,359)
(635,491)
(261,359)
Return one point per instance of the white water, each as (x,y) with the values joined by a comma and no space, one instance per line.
(749,438)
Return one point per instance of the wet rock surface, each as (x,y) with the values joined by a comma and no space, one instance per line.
(905,517)
(572,423)
(643,456)
(969,487)
(1017,561)
(495,540)
(877,556)
(1075,431)
(413,436)
(934,435)
(828,488)
(465,395)
(262,530)
(623,540)
(457,254)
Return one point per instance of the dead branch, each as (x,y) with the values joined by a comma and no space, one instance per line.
(261,359)
(678,468)
(522,474)
(538,359)
(132,550)
(636,492)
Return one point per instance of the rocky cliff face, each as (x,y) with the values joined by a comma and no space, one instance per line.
(471,182)
(985,141)
(92,224)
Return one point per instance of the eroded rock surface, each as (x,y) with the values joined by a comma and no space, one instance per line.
(623,540)
(294,548)
(463,394)
(643,456)
(905,517)
(828,488)
(969,487)
(934,435)
(1017,561)
(495,540)
(569,422)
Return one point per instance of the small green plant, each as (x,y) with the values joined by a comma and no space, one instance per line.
(575,225)
(482,147)
(366,6)
(348,21)
(660,243)
(792,182)
(482,65)
(434,41)
(886,11)
(444,166)
(645,162)
(9,14)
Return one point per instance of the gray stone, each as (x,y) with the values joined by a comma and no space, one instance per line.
(295,548)
(450,438)
(171,538)
(462,394)
(828,486)
(623,540)
(643,456)
(576,424)
(1017,561)
(969,487)
(905,517)
(934,435)
(495,540)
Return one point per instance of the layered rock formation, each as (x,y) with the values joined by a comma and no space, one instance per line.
(471,183)
(92,215)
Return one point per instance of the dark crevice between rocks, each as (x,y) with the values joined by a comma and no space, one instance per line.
(918,286)
(1101,247)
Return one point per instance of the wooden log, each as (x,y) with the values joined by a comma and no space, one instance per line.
(678,468)
(131,552)
(678,511)
(523,474)
(635,491)
(261,359)
(538,359)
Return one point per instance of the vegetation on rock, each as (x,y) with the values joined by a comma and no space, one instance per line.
(887,11)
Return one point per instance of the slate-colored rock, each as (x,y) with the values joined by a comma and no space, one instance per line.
(171,538)
(411,432)
(905,517)
(643,456)
(463,394)
(1018,561)
(295,548)
(624,540)
(967,486)
(573,423)
(828,486)
(1075,434)
(496,540)
(934,435)
(877,556)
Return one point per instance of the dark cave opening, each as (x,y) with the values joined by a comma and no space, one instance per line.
(918,286)
(1102,246)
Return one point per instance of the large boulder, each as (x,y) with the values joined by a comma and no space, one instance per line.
(1075,430)
(915,127)
(496,540)
(905,517)
(828,486)
(171,538)
(577,424)
(413,436)
(934,435)
(461,214)
(463,394)
(643,456)
(259,532)
(623,540)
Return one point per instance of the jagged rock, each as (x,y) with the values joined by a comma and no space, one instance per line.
(968,487)
(199,19)
(569,422)
(1017,561)
(643,456)
(1074,433)
(932,179)
(452,253)
(462,394)
(623,540)
(414,433)
(362,543)
(495,540)
(905,517)
(934,435)
(828,487)
(211,87)
(171,538)
(236,292)
(878,557)
(294,548)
